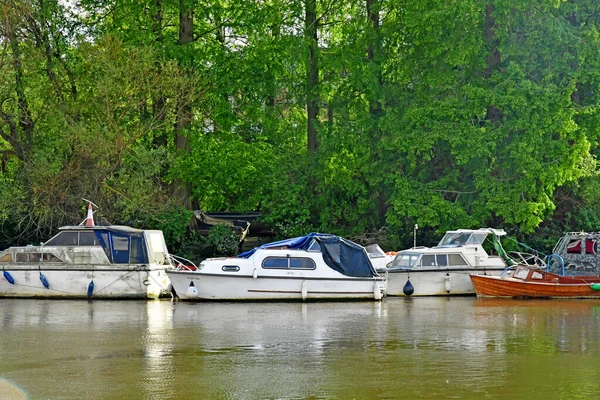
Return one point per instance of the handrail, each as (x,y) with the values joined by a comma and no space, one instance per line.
(562,261)
(179,262)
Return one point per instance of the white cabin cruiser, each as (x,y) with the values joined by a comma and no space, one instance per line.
(315,266)
(89,261)
(444,269)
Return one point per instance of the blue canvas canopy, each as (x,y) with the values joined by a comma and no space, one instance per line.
(339,254)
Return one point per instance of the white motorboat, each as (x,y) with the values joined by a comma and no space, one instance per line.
(445,269)
(89,261)
(315,266)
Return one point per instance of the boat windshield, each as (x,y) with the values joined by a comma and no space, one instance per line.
(314,246)
(374,251)
(462,238)
(405,260)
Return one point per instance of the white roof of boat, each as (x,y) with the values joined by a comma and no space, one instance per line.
(497,232)
(122,228)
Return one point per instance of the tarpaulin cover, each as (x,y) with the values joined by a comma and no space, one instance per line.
(346,257)
(301,243)
(342,255)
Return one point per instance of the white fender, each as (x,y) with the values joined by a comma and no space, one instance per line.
(304,290)
(447,283)
(192,291)
(385,284)
(254,274)
(376,291)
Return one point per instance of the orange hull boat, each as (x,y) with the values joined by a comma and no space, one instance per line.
(535,283)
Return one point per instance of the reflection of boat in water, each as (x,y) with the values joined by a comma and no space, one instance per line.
(503,302)
(444,269)
(89,261)
(572,271)
(316,266)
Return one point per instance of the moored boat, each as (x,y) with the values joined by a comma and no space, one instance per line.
(530,282)
(315,266)
(89,261)
(572,271)
(444,269)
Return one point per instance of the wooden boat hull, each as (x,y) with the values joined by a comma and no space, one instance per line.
(494,286)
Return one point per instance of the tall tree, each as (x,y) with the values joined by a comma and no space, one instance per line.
(311,26)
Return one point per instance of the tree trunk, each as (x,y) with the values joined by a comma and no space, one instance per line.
(158,102)
(375,106)
(184,116)
(312,73)
(493,115)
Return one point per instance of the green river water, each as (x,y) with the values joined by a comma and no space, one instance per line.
(428,348)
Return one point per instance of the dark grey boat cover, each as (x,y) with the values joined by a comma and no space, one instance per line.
(339,254)
(346,257)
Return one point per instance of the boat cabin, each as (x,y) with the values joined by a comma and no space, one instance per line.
(579,254)
(462,248)
(93,245)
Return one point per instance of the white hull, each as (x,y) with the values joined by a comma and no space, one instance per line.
(73,281)
(446,282)
(226,287)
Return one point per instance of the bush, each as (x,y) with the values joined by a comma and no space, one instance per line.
(223,240)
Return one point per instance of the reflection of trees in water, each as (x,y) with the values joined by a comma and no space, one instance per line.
(546,326)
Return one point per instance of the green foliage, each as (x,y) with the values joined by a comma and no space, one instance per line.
(223,240)
(445,114)
(174,223)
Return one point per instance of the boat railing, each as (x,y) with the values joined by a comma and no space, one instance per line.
(562,262)
(529,259)
(181,263)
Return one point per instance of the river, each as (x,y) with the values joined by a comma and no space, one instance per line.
(400,348)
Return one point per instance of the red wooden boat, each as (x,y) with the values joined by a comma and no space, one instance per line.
(532,282)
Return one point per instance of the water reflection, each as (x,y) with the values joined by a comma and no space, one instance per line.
(398,348)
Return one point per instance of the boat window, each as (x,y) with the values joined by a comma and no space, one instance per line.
(275,262)
(455,239)
(288,262)
(63,239)
(442,260)
(477,238)
(88,239)
(590,246)
(574,246)
(405,260)
(29,257)
(428,260)
(536,275)
(302,263)
(314,246)
(49,257)
(120,247)
(120,243)
(521,273)
(456,260)
(137,255)
(6,258)
(230,268)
